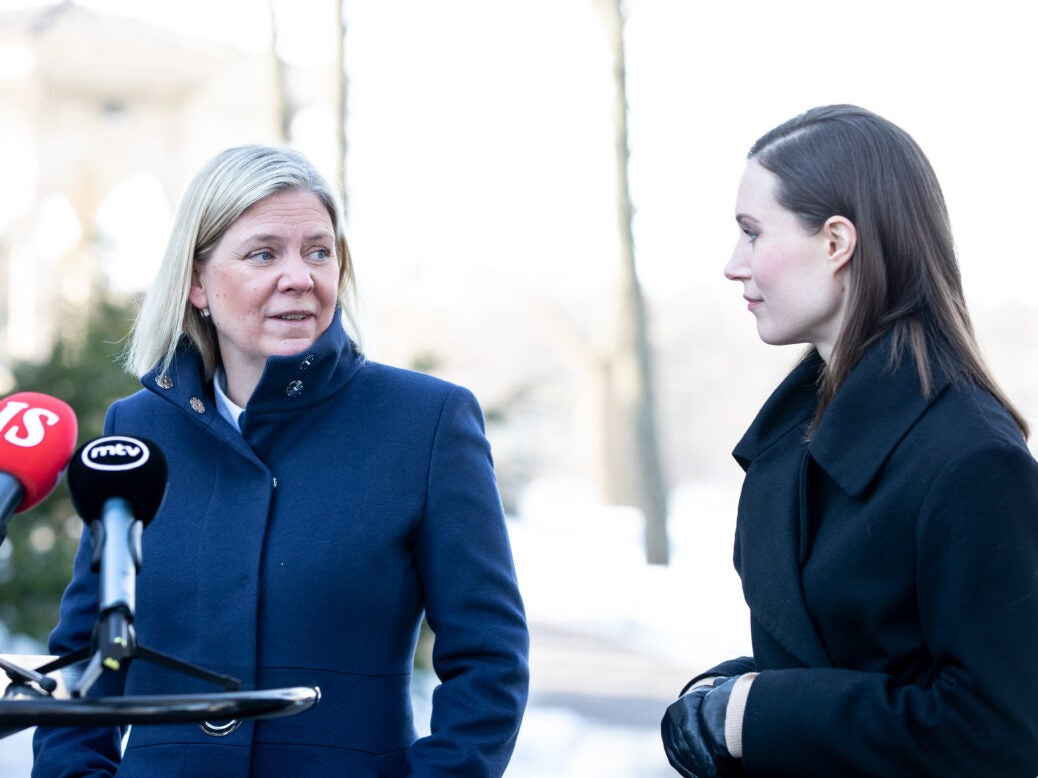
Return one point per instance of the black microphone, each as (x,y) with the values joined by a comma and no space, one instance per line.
(117,484)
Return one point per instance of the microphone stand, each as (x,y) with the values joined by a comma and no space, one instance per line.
(101,473)
(30,699)
(114,641)
(22,678)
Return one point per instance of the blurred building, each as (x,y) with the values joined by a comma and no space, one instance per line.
(104,119)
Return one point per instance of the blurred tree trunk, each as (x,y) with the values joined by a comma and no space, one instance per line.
(279,77)
(342,83)
(634,460)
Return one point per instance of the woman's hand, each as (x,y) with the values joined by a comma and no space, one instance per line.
(693,730)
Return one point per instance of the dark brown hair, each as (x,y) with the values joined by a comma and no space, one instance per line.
(904,277)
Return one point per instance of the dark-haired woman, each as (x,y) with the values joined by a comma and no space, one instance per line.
(887,534)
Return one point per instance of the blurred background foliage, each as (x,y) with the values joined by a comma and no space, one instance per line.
(36,559)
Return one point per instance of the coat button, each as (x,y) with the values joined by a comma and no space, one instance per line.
(197,405)
(294,389)
(220,728)
(308,362)
(163,381)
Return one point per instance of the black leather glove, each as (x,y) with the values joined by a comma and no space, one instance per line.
(693,732)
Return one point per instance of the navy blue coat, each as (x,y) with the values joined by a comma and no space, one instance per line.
(891,570)
(302,552)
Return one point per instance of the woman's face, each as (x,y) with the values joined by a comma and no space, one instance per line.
(792,280)
(271,282)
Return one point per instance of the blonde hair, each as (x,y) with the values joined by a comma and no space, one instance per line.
(220,192)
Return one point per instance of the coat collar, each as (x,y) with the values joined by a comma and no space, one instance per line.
(879,402)
(848,444)
(790,406)
(288,383)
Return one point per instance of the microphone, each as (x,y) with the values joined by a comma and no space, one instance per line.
(37,436)
(117,484)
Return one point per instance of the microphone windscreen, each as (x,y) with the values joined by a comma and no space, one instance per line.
(132,468)
(37,437)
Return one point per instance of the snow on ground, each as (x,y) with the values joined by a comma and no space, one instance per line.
(556,743)
(582,565)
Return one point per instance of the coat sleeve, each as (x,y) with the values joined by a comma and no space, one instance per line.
(78,752)
(727,669)
(473,606)
(977,598)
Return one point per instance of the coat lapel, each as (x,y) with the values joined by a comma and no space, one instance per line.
(767,554)
(848,443)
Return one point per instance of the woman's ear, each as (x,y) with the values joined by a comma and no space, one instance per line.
(196,294)
(841,239)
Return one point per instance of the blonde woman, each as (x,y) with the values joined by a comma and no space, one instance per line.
(318,504)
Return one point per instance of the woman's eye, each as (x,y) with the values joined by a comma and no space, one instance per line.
(747,228)
(262,256)
(321,254)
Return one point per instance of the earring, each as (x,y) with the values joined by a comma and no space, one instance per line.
(204,312)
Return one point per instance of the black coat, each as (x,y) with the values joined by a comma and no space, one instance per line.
(891,570)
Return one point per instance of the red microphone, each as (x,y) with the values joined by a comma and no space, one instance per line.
(37,438)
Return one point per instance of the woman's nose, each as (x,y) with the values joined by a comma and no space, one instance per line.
(736,268)
(296,276)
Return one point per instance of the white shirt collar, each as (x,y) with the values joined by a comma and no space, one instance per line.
(227,408)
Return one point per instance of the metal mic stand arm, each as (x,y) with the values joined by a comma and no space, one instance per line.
(21,678)
(229,683)
(114,642)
